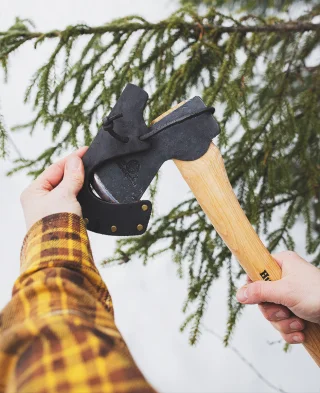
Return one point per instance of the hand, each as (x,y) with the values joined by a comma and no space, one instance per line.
(286,302)
(55,190)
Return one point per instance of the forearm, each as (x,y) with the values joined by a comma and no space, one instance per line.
(56,261)
(58,330)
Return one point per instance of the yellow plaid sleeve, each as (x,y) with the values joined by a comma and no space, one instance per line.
(58,332)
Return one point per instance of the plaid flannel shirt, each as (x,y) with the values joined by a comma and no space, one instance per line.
(58,332)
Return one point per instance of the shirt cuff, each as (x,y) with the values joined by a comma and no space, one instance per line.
(57,237)
(61,240)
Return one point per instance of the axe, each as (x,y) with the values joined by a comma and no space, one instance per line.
(125,156)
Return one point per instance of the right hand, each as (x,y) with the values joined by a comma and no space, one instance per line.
(297,292)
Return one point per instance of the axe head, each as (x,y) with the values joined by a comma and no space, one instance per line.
(184,133)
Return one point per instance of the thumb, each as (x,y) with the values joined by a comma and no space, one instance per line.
(73,177)
(261,292)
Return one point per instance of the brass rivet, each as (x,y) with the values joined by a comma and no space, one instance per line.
(140,227)
(114,228)
(144,208)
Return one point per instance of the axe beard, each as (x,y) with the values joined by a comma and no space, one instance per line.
(100,190)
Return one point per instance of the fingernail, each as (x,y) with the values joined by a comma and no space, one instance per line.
(281,315)
(73,163)
(242,294)
(297,339)
(295,325)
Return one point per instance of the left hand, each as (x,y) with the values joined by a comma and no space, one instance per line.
(55,190)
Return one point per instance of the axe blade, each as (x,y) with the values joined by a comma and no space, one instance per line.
(184,133)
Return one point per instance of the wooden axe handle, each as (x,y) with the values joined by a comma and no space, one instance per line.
(209,182)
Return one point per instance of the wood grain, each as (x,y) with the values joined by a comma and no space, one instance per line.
(209,182)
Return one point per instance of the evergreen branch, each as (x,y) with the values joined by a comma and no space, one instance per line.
(3,139)
(256,69)
(80,30)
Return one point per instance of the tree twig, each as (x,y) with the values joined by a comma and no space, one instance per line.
(274,342)
(15,147)
(246,361)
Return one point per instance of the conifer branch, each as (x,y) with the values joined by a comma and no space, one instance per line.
(3,139)
(270,122)
(288,27)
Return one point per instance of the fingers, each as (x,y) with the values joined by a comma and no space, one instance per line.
(272,298)
(73,175)
(279,257)
(286,258)
(289,325)
(294,338)
(261,292)
(53,175)
(281,318)
(274,312)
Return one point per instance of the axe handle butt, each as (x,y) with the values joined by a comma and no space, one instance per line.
(209,182)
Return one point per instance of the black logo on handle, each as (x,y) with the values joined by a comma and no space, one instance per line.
(265,276)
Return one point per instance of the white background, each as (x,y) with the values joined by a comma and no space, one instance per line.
(147,299)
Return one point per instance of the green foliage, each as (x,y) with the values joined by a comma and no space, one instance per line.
(3,140)
(259,6)
(263,77)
